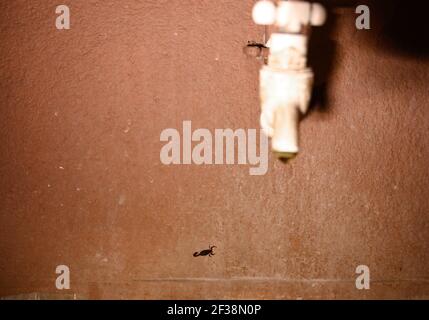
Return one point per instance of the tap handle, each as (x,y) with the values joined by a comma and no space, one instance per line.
(292,15)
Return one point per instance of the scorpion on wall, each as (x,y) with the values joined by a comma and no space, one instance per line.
(208,252)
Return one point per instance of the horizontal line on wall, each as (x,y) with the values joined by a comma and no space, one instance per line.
(272,279)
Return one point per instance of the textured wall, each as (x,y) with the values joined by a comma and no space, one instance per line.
(82,183)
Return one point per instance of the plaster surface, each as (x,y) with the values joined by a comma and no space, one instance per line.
(83,185)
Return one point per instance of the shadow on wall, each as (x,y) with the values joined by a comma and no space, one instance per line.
(398,28)
(321,57)
(401,27)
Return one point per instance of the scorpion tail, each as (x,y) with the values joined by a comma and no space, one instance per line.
(196,254)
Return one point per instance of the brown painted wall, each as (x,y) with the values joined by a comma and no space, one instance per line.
(82,183)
